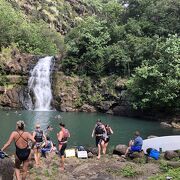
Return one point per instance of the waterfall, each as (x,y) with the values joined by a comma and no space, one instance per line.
(39,85)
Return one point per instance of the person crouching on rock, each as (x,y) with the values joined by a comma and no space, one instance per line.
(135,145)
(38,135)
(62,136)
(23,151)
(98,131)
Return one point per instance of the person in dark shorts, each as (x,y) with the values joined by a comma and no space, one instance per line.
(98,132)
(106,137)
(39,136)
(62,136)
(135,145)
(23,151)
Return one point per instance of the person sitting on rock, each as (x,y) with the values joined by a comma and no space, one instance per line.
(47,148)
(135,145)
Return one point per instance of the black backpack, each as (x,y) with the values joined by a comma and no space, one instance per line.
(99,129)
(39,136)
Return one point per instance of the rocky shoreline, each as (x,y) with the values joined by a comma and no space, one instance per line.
(109,167)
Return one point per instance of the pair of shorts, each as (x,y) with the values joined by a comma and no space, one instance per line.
(107,140)
(38,145)
(136,148)
(99,140)
(62,150)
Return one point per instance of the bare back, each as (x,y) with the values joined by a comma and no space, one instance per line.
(21,138)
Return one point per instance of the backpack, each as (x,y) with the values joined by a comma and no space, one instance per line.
(154,154)
(99,130)
(3,155)
(39,136)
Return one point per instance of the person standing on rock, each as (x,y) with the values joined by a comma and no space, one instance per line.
(106,137)
(62,136)
(135,145)
(39,136)
(98,132)
(23,151)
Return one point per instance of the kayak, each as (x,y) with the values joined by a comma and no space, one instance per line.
(164,143)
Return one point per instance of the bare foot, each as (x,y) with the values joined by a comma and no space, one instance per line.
(61,168)
(98,157)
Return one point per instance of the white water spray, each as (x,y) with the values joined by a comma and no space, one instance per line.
(39,83)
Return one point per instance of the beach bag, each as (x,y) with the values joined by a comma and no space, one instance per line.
(154,154)
(2,155)
(80,148)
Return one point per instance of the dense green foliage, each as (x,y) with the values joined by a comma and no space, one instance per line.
(31,37)
(136,39)
(156,83)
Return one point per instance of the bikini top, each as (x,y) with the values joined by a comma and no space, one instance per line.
(20,136)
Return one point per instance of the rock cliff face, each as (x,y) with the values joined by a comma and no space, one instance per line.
(59,14)
(83,94)
(65,90)
(14,77)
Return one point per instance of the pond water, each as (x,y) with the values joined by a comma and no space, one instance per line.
(80,126)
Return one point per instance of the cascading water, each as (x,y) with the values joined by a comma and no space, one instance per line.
(40,85)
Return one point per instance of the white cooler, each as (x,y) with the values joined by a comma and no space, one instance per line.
(82,154)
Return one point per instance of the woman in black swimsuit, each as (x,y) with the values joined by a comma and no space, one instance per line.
(23,151)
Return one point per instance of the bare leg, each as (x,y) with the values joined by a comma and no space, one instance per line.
(105,148)
(127,150)
(39,157)
(25,169)
(130,143)
(17,173)
(36,156)
(99,151)
(62,163)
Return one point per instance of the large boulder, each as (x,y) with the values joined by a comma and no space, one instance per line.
(175,125)
(137,155)
(88,108)
(120,149)
(105,105)
(93,150)
(170,155)
(165,124)
(6,169)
